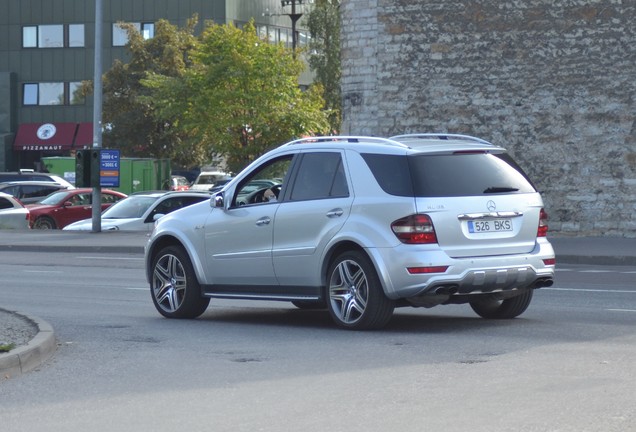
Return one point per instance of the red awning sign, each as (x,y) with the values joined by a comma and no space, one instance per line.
(45,136)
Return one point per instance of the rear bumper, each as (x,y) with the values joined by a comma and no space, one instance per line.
(471,275)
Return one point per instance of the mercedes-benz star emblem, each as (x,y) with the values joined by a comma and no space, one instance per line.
(491,206)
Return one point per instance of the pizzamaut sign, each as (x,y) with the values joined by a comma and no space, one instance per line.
(42,147)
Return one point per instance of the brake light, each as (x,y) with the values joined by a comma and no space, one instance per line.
(415,229)
(543,224)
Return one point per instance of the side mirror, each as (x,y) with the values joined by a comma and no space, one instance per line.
(218,200)
(157,216)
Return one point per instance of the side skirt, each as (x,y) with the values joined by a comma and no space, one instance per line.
(263,292)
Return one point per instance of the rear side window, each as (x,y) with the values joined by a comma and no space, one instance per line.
(320,175)
(5,204)
(448,175)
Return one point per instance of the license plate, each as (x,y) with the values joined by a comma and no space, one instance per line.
(486,226)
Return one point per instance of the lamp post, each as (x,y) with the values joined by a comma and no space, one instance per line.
(294,16)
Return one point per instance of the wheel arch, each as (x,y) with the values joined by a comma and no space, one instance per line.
(159,243)
(348,245)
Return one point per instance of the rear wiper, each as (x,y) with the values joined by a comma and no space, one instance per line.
(500,189)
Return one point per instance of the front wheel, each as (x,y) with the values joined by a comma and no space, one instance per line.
(175,290)
(503,309)
(355,297)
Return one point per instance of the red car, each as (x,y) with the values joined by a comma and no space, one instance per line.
(62,208)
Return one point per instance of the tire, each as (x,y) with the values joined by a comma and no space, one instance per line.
(175,290)
(309,304)
(503,309)
(44,223)
(355,298)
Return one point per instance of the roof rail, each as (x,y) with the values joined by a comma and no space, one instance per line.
(349,139)
(442,136)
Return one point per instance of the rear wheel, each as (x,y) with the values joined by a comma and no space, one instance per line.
(44,222)
(356,299)
(503,309)
(175,289)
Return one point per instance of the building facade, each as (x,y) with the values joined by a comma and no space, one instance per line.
(47,49)
(551,80)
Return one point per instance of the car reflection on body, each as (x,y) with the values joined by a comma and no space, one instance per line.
(139,211)
(13,214)
(62,208)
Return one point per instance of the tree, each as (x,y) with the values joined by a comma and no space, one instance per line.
(132,123)
(240,96)
(324,59)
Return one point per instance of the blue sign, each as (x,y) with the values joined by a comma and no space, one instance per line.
(109,168)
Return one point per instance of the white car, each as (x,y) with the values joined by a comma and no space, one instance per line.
(139,211)
(208,179)
(13,214)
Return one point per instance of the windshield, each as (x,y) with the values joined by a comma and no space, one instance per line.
(54,199)
(131,207)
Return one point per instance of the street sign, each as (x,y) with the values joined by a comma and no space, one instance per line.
(109,168)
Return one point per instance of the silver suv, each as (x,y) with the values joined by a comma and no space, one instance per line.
(359,226)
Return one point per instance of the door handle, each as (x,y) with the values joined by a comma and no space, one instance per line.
(263,221)
(335,213)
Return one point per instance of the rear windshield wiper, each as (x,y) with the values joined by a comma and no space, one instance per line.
(500,189)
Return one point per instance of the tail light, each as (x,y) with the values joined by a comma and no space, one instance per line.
(415,229)
(543,224)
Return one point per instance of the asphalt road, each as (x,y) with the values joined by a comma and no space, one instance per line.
(565,365)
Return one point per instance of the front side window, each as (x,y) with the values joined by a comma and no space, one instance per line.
(263,182)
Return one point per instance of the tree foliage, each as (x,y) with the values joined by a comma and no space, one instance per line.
(132,123)
(240,96)
(324,26)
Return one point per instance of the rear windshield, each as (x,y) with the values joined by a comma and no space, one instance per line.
(448,175)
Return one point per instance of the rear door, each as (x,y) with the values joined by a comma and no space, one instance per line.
(313,209)
(480,203)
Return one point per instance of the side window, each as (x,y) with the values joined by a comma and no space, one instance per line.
(13,190)
(109,199)
(391,172)
(5,204)
(265,181)
(320,175)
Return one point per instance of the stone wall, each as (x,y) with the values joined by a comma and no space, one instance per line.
(554,81)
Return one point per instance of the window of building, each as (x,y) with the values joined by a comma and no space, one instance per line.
(30,94)
(52,36)
(75,95)
(120,36)
(76,35)
(52,94)
(30,37)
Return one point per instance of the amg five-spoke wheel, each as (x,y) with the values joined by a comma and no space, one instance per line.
(175,290)
(355,296)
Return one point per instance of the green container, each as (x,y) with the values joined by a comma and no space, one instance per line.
(135,174)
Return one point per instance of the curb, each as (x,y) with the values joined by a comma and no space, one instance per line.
(28,357)
(73,248)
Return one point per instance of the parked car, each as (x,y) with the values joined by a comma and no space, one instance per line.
(360,226)
(207,180)
(13,214)
(29,192)
(140,210)
(62,208)
(178,183)
(32,176)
